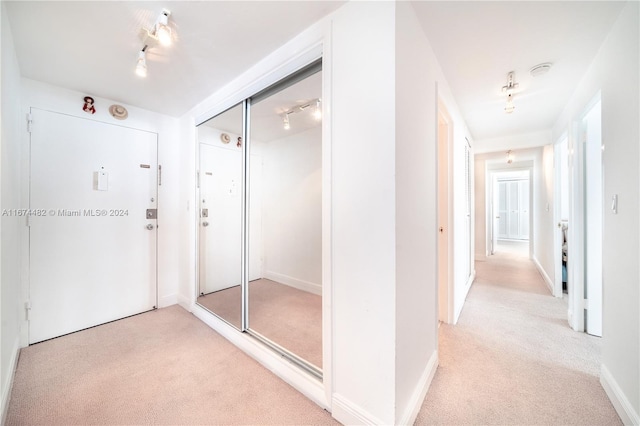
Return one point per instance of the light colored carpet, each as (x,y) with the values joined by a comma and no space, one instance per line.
(161,367)
(512,358)
(287,316)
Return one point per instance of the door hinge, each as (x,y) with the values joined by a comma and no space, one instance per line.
(198,179)
(159,175)
(27,308)
(28,220)
(29,122)
(585,303)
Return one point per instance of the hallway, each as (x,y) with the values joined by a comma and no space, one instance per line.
(512,358)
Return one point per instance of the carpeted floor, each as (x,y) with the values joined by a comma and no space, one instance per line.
(512,358)
(161,367)
(287,316)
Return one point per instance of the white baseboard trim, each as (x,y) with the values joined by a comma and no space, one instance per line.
(545,277)
(420,392)
(619,400)
(458,310)
(184,302)
(168,300)
(290,373)
(8,383)
(294,282)
(348,413)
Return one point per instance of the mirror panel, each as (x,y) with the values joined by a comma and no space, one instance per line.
(220,215)
(285,219)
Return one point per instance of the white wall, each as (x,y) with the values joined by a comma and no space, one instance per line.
(615,73)
(416,213)
(292,210)
(364,212)
(52,98)
(12,123)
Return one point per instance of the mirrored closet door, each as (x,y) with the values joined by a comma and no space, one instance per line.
(220,215)
(279,231)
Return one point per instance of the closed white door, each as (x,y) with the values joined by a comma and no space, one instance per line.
(92,247)
(513,222)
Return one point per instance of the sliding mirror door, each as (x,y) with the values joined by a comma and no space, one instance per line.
(285,217)
(220,215)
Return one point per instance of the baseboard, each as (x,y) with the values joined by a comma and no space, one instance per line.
(348,413)
(619,400)
(184,302)
(291,374)
(8,383)
(294,282)
(545,277)
(168,300)
(458,310)
(410,415)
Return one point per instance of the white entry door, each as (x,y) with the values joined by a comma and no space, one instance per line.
(92,248)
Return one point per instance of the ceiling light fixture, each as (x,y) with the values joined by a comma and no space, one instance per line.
(160,33)
(509,157)
(510,89)
(161,29)
(317,113)
(141,64)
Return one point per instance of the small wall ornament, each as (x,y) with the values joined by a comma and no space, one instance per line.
(88,105)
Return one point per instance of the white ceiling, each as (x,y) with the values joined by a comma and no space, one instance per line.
(92,47)
(477,43)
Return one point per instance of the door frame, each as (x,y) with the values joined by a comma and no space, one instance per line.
(445,214)
(557,216)
(491,172)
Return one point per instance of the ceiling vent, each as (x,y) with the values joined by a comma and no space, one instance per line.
(540,69)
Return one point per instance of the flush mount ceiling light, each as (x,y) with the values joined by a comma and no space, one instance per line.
(540,69)
(510,89)
(317,111)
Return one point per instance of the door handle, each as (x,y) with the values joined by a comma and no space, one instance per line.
(497,217)
(205,223)
(150,226)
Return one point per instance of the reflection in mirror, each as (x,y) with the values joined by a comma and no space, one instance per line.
(285,219)
(220,215)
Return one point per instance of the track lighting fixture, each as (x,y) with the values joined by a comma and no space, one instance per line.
(159,34)
(141,64)
(509,89)
(161,29)
(317,111)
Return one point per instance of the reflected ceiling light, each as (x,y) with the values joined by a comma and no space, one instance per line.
(317,112)
(141,64)
(510,89)
(509,157)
